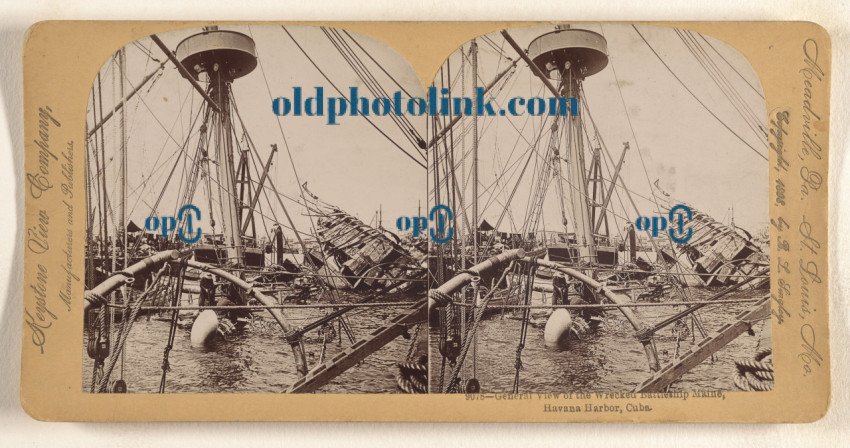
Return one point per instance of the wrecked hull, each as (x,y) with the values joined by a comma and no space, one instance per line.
(354,255)
(719,254)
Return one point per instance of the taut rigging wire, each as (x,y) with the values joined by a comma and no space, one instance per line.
(697,98)
(735,99)
(411,157)
(731,66)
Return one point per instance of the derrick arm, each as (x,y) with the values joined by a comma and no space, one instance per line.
(360,350)
(659,381)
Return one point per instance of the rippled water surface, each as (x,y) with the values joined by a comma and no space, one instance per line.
(609,359)
(256,359)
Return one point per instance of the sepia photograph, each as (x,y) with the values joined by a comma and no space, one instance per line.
(240,236)
(609,216)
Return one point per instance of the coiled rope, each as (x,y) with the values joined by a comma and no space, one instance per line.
(412,377)
(755,374)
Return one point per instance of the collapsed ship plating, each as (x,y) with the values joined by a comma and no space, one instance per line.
(721,254)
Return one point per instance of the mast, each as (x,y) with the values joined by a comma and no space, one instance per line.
(578,173)
(556,171)
(569,56)
(219,57)
(113,248)
(220,92)
(100,163)
(475,218)
(462,230)
(122,182)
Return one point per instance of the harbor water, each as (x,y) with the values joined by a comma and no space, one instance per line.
(256,359)
(608,359)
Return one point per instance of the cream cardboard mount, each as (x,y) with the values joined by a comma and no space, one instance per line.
(151,117)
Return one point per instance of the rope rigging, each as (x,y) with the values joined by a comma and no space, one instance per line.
(695,97)
(123,332)
(172,332)
(757,91)
(741,107)
(372,83)
(523,332)
(371,123)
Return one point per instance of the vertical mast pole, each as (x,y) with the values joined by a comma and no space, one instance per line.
(122,214)
(100,163)
(462,230)
(113,248)
(476,219)
(578,176)
(226,174)
(556,167)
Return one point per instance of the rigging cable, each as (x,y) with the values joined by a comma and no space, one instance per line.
(529,281)
(730,89)
(415,160)
(759,93)
(172,332)
(372,84)
(737,102)
(401,120)
(377,64)
(697,98)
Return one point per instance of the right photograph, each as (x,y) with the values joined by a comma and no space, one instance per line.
(598,199)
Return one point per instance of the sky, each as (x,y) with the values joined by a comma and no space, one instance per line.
(694,157)
(350,165)
(691,155)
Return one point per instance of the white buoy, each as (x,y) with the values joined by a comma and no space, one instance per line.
(204,328)
(557,327)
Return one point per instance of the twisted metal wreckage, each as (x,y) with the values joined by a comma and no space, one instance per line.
(132,274)
(581,271)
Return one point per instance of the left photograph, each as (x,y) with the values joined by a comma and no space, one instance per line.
(244,217)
